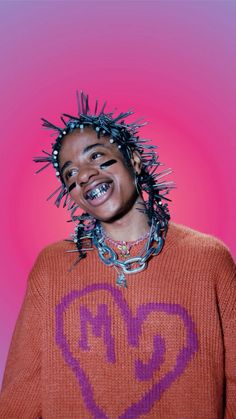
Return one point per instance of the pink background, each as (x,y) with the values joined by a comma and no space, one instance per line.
(173,62)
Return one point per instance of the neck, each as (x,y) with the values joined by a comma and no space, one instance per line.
(129,228)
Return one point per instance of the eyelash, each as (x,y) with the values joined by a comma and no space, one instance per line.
(69,173)
(94,155)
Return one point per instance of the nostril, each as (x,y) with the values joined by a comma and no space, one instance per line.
(86,174)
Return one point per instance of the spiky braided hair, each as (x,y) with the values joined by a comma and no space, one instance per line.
(125,135)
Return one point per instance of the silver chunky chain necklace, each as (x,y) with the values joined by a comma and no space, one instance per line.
(109,257)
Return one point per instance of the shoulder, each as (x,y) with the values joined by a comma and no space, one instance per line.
(54,256)
(183,236)
(57,248)
(196,245)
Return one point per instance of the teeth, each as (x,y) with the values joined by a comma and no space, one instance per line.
(98,191)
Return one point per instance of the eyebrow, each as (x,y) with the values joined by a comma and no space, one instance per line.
(85,150)
(91,146)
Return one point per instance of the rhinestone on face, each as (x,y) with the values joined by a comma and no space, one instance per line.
(64,132)
(111,140)
(57,173)
(81,126)
(55,152)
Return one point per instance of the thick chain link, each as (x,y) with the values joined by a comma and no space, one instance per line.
(129,266)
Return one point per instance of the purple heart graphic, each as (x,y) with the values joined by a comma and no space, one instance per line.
(133,324)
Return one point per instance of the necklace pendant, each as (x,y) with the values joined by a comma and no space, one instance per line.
(121,280)
(124,250)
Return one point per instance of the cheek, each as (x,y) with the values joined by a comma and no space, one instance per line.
(127,183)
(129,178)
(75,196)
(71,187)
(107,163)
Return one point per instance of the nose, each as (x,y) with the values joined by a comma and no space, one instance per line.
(85,174)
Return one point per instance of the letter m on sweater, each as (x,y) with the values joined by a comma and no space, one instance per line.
(101,327)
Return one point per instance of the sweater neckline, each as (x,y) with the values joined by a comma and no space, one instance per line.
(169,242)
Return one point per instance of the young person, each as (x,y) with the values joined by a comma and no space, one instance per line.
(133,317)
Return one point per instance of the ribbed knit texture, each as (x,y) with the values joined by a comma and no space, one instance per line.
(165,347)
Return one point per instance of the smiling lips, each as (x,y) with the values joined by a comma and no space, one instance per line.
(98,191)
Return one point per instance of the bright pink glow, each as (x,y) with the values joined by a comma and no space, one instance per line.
(174,65)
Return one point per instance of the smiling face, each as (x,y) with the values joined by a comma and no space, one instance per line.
(97,176)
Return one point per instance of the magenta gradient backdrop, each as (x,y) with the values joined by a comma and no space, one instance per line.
(173,62)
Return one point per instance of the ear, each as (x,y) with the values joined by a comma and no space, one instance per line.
(136,162)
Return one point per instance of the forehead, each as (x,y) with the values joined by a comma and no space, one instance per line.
(78,141)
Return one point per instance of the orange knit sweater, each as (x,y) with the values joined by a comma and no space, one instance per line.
(165,347)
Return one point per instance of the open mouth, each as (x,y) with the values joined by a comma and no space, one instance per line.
(98,191)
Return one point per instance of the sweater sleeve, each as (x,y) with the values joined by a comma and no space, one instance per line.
(20,395)
(227,305)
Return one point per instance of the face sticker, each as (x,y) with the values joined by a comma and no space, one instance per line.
(72,186)
(107,164)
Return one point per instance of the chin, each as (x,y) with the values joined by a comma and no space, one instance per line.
(106,219)
(112,216)
(111,211)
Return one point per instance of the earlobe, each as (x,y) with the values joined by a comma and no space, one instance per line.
(136,162)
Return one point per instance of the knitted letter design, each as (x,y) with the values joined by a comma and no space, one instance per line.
(101,325)
(95,325)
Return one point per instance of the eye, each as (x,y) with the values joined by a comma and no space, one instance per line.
(70,173)
(96,155)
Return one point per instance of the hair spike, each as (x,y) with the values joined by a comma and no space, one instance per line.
(49,125)
(78,102)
